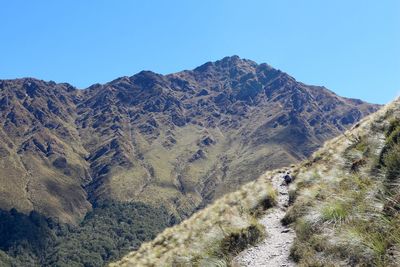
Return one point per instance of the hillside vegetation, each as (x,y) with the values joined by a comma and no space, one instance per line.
(346,199)
(107,233)
(212,236)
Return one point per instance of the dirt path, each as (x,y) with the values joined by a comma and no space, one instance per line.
(274,250)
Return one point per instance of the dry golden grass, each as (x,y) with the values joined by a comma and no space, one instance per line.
(339,199)
(212,236)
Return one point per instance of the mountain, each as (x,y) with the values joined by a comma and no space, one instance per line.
(344,208)
(183,139)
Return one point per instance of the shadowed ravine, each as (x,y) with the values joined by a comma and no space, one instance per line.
(274,250)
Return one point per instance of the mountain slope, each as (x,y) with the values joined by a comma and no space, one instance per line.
(42,160)
(346,198)
(213,235)
(344,208)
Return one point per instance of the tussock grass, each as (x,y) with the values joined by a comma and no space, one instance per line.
(346,198)
(335,212)
(212,236)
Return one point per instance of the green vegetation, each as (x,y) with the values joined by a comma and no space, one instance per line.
(391,152)
(348,214)
(106,233)
(212,236)
(335,212)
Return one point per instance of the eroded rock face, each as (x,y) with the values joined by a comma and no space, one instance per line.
(180,139)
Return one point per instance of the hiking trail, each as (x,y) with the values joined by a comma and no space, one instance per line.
(274,250)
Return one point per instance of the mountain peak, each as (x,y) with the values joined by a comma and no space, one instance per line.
(231,59)
(229,62)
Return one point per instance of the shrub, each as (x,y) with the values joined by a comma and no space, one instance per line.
(392,163)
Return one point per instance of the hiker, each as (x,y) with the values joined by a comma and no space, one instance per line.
(288,179)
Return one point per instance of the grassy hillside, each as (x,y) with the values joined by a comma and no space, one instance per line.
(346,199)
(213,235)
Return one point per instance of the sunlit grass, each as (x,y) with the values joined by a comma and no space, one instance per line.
(346,201)
(335,212)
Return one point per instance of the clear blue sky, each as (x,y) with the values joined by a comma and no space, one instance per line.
(351,47)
